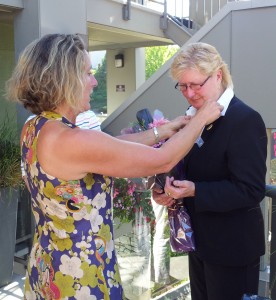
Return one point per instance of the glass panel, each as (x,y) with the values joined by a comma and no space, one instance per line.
(147,266)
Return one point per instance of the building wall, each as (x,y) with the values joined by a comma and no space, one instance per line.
(246,42)
(122,82)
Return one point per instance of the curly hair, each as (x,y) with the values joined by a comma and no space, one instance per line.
(203,58)
(49,72)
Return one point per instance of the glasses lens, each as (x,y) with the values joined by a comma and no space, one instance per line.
(181,87)
(195,87)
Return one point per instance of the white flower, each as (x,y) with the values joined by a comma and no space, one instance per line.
(99,201)
(84,294)
(110,248)
(81,214)
(53,208)
(36,216)
(84,255)
(110,282)
(95,220)
(33,170)
(71,266)
(61,233)
(32,258)
(83,245)
(45,230)
(41,185)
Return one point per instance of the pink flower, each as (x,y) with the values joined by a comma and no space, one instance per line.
(131,189)
(116,192)
(158,119)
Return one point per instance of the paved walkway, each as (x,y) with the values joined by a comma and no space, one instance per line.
(13,291)
(178,270)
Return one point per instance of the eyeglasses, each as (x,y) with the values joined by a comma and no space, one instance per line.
(193,86)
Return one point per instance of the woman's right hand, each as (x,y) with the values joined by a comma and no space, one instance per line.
(210,111)
(171,127)
(161,198)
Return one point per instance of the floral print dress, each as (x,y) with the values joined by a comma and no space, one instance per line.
(73,255)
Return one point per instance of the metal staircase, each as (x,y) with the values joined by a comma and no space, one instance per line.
(181,19)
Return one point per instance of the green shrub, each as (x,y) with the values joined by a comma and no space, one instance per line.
(10,155)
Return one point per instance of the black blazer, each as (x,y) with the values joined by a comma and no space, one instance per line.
(229,172)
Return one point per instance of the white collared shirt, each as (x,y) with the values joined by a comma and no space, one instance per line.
(224,100)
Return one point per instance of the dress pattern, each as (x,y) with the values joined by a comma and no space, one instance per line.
(73,253)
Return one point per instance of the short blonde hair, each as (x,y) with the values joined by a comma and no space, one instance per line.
(203,58)
(49,72)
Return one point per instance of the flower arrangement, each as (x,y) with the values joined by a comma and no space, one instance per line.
(157,120)
(129,199)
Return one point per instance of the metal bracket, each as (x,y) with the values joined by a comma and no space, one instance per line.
(126,11)
(164,22)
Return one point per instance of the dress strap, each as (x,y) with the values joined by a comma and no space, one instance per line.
(55,116)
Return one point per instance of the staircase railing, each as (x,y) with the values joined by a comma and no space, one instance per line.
(271,192)
(191,10)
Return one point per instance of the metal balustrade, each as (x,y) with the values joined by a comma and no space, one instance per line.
(198,11)
(271,193)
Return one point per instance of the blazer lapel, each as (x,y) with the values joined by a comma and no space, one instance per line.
(206,133)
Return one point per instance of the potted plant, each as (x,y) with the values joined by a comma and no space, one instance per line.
(10,182)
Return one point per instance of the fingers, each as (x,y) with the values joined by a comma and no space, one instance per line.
(168,186)
(157,188)
(212,110)
(180,122)
(162,199)
(183,188)
(175,189)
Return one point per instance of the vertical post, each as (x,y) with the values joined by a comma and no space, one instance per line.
(165,8)
(271,192)
(126,11)
(164,18)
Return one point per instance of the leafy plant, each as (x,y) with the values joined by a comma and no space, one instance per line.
(128,199)
(10,155)
(99,96)
(156,56)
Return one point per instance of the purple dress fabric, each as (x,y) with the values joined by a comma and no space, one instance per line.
(73,253)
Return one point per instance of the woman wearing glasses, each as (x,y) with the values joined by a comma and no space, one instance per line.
(224,181)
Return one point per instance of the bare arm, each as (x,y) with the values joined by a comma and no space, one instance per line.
(72,153)
(165,131)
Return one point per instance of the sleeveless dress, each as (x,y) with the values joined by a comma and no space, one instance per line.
(73,253)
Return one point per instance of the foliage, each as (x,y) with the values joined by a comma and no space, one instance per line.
(99,97)
(10,155)
(128,199)
(157,56)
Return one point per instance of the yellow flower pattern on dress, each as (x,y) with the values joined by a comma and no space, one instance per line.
(73,253)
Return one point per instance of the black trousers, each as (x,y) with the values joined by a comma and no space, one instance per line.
(216,282)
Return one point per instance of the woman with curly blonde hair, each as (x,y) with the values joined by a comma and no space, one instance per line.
(69,170)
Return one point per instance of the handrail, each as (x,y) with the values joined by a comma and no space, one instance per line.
(180,4)
(270,191)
